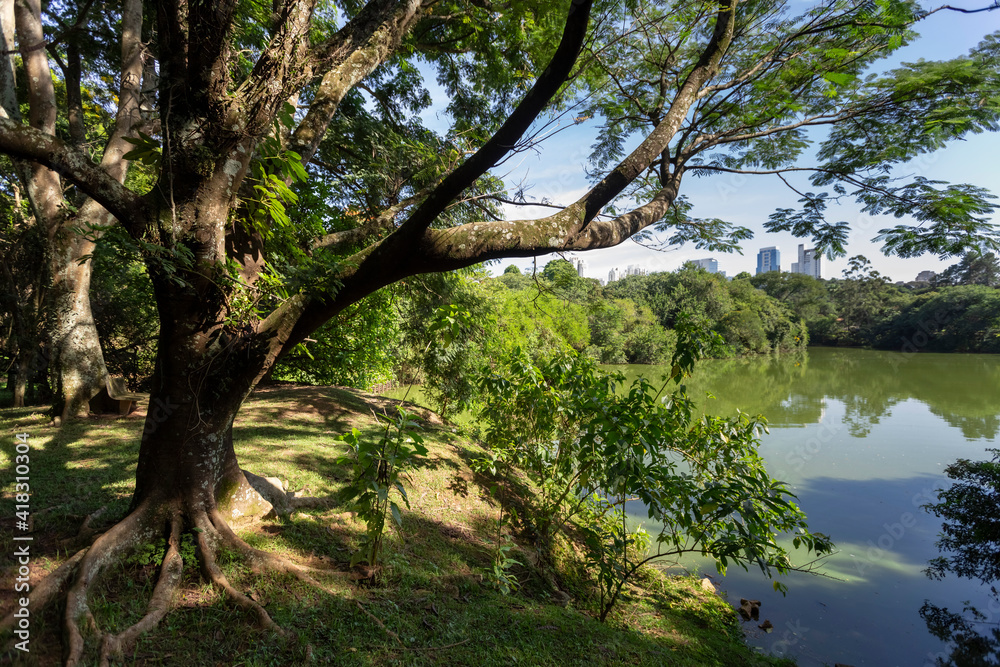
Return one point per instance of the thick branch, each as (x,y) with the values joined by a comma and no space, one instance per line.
(279,72)
(21,141)
(380,222)
(209,25)
(659,139)
(415,248)
(113,161)
(546,86)
(44,188)
(353,53)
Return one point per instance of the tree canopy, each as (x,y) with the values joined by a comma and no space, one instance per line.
(268,165)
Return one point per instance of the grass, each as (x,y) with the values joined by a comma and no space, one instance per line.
(434,593)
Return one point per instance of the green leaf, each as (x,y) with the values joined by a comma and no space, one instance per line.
(838,78)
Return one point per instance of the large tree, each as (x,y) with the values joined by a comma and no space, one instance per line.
(69,219)
(249,96)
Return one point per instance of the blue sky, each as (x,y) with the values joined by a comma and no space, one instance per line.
(557,173)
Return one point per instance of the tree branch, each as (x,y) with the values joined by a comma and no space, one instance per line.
(279,71)
(415,248)
(113,161)
(27,143)
(350,56)
(545,87)
(43,185)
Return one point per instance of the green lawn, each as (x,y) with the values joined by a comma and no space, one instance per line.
(434,603)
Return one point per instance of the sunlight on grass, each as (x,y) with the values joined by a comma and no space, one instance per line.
(434,593)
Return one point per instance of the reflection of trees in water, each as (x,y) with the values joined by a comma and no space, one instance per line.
(970,546)
(764,385)
(791,389)
(973,644)
(973,427)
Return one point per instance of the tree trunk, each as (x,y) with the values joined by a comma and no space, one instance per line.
(186,455)
(24,359)
(187,460)
(77,360)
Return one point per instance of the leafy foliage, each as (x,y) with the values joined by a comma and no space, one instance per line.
(971,529)
(121,299)
(358,348)
(973,269)
(589,444)
(378,468)
(448,329)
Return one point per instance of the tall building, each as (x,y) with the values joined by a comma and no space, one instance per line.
(614,274)
(768,259)
(710,264)
(581,266)
(810,262)
(635,270)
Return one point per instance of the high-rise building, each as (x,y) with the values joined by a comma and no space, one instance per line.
(581,266)
(614,274)
(810,262)
(710,264)
(768,259)
(635,270)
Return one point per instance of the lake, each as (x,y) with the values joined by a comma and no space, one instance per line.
(862,437)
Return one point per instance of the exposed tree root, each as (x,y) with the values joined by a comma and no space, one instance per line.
(46,590)
(380,624)
(171,571)
(86,532)
(123,536)
(147,523)
(261,560)
(283,502)
(207,539)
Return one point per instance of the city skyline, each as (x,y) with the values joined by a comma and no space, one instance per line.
(807,256)
(810,262)
(768,259)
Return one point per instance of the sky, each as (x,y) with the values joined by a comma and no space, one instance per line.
(556,172)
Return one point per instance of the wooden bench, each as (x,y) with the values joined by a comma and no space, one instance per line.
(114,397)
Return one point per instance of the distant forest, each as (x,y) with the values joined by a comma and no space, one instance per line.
(473,317)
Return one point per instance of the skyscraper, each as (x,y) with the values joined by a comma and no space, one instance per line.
(768,259)
(711,264)
(809,262)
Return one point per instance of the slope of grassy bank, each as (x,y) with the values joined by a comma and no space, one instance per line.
(433,603)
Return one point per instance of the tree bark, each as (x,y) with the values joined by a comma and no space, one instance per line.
(21,378)
(77,358)
(206,365)
(187,460)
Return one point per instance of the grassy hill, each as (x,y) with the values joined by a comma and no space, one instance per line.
(432,602)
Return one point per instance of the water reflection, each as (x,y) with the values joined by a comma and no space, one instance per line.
(973,638)
(863,438)
(969,540)
(792,390)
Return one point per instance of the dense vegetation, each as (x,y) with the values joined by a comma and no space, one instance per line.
(959,311)
(435,601)
(386,337)
(472,316)
(256,186)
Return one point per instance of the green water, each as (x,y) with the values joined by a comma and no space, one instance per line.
(863,438)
